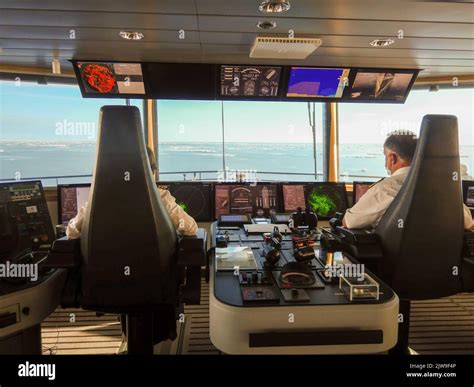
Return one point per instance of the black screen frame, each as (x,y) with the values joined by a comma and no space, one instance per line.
(313,183)
(465,185)
(352,77)
(212,91)
(211,195)
(85,94)
(58,188)
(354,183)
(275,183)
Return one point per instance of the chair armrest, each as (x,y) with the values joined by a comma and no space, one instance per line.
(65,253)
(191,257)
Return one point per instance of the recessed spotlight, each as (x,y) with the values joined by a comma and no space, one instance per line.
(266,25)
(131,35)
(381,42)
(274,6)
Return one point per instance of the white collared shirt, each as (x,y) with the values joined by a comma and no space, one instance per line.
(370,208)
(184,224)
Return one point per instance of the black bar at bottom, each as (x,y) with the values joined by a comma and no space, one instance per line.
(287,339)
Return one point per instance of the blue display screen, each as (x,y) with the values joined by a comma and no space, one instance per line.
(310,82)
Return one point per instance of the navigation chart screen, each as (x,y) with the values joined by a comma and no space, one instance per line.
(111,78)
(258,200)
(381,85)
(308,82)
(250,81)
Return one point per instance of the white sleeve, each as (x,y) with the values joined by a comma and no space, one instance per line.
(468,222)
(183,223)
(74,227)
(367,212)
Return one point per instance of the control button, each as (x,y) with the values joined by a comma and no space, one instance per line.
(294,293)
(25,311)
(255,278)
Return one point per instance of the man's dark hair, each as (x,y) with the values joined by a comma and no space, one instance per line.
(403,143)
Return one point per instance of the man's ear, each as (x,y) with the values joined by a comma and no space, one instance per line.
(394,158)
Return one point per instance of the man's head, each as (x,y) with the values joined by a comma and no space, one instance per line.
(152,160)
(399,149)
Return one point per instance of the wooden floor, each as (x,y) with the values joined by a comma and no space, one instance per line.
(443,326)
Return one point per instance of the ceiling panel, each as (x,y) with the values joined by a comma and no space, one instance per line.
(439,44)
(341,27)
(16,33)
(121,20)
(124,46)
(145,6)
(438,36)
(386,53)
(348,9)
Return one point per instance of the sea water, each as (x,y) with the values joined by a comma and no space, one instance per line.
(22,160)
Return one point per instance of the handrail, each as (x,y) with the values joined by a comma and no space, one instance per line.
(185,173)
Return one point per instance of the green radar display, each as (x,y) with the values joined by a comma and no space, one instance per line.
(192,197)
(325,199)
(184,206)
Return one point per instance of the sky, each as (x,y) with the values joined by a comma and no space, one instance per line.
(59,113)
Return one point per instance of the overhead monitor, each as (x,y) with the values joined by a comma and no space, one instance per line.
(250,81)
(311,82)
(254,200)
(359,189)
(111,79)
(71,197)
(193,197)
(324,199)
(384,85)
(468,193)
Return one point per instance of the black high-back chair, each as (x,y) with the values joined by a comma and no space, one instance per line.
(421,232)
(128,241)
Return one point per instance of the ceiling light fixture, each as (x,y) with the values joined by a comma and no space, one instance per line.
(266,25)
(381,42)
(274,6)
(131,35)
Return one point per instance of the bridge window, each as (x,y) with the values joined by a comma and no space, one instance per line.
(363,128)
(273,140)
(47,131)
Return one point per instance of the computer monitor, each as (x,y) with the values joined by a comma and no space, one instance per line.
(359,189)
(322,198)
(194,197)
(250,81)
(311,82)
(383,85)
(468,193)
(109,78)
(255,200)
(71,197)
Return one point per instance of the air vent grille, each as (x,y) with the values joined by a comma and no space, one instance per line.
(284,48)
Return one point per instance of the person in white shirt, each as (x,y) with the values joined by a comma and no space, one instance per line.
(184,223)
(399,149)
